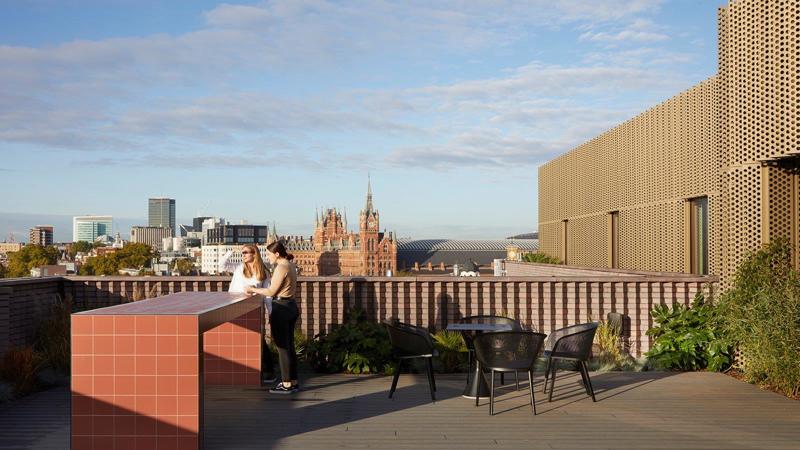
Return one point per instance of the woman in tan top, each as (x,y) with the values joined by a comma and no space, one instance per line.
(284,314)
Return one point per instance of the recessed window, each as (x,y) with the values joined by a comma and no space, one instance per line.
(698,235)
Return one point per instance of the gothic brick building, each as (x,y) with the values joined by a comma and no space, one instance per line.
(334,250)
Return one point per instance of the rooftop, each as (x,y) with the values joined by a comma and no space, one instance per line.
(634,410)
(436,245)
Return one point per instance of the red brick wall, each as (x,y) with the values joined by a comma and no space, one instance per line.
(544,303)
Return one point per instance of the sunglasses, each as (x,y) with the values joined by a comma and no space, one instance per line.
(248,252)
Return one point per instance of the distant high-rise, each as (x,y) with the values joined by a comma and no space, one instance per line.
(41,235)
(87,228)
(237,234)
(197,223)
(161,213)
(152,236)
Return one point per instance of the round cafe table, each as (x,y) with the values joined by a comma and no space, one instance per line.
(476,384)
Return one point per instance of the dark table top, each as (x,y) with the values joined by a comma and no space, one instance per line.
(479,327)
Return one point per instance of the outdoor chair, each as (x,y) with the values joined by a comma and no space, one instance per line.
(469,336)
(573,343)
(411,342)
(508,351)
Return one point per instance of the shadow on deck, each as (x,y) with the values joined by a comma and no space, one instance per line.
(634,410)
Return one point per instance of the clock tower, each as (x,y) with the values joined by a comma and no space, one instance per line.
(369,224)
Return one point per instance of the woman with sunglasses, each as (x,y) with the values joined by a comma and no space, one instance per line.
(252,273)
(282,289)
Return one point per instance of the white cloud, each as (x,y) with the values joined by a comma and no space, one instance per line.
(640,30)
(484,148)
(109,94)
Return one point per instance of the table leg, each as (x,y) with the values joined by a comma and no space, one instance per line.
(476,386)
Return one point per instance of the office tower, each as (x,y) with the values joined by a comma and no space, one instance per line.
(87,228)
(152,236)
(41,235)
(161,213)
(197,222)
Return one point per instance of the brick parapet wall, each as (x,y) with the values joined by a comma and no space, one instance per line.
(23,303)
(543,303)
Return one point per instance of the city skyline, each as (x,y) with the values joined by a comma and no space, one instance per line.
(451,108)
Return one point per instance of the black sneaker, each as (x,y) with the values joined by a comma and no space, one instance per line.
(268,379)
(282,389)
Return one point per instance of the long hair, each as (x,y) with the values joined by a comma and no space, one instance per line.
(259,268)
(278,248)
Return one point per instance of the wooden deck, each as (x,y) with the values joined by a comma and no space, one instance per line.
(634,410)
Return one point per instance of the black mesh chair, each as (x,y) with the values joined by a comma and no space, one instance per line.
(469,336)
(572,343)
(410,342)
(508,351)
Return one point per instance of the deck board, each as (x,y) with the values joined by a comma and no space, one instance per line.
(634,410)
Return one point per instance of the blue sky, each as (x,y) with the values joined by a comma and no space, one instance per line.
(264,111)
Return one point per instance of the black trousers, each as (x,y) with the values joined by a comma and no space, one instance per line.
(282,321)
(267,366)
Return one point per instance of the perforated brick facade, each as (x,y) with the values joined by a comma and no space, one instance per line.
(733,138)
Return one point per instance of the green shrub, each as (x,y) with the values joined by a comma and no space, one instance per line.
(608,340)
(610,355)
(542,258)
(19,367)
(356,346)
(452,351)
(761,316)
(53,337)
(685,337)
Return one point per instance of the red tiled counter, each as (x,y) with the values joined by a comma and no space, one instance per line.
(138,369)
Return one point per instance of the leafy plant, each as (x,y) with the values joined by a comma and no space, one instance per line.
(52,340)
(19,368)
(541,258)
(610,355)
(685,337)
(452,350)
(300,343)
(608,340)
(761,316)
(356,346)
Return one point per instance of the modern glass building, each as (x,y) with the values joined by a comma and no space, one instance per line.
(88,228)
(161,213)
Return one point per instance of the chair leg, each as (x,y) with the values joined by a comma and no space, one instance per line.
(502,379)
(397,368)
(547,374)
(588,380)
(477,371)
(491,395)
(553,371)
(583,378)
(530,383)
(431,384)
(433,378)
(516,378)
(469,363)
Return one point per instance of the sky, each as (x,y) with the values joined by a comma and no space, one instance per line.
(267,110)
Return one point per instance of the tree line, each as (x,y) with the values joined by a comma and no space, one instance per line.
(132,256)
